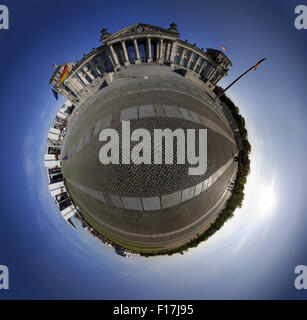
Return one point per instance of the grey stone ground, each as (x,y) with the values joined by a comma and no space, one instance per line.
(163,228)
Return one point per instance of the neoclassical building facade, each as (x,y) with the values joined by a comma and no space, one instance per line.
(136,44)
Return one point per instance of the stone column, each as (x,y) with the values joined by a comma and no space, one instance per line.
(161,51)
(81,76)
(196,63)
(114,56)
(110,59)
(94,67)
(157,50)
(149,56)
(77,82)
(168,48)
(211,72)
(86,71)
(173,51)
(181,56)
(125,53)
(189,59)
(137,54)
(202,66)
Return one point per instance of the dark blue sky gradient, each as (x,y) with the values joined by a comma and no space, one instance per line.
(255,254)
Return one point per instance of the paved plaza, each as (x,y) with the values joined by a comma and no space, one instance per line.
(148,206)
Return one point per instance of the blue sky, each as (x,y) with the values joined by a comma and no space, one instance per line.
(255,253)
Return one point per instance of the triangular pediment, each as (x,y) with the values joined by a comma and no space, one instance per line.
(140,28)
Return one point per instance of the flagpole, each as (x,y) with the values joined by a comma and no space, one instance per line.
(242,75)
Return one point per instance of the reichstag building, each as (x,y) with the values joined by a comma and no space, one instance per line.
(147,75)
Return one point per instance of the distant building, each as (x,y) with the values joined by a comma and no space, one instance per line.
(139,43)
(52,161)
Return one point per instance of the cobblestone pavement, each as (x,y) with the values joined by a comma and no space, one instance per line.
(122,188)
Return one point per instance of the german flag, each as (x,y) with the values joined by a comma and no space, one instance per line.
(224,48)
(256,66)
(54,66)
(258,63)
(64,74)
